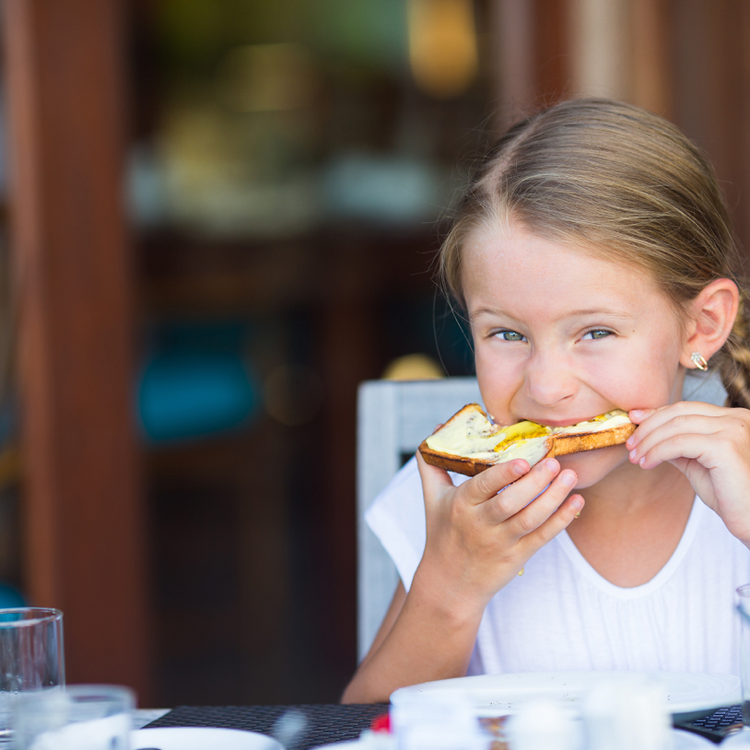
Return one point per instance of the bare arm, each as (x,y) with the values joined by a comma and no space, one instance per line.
(351,694)
(394,610)
(477,541)
(404,651)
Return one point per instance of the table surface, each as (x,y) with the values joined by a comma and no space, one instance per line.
(326,723)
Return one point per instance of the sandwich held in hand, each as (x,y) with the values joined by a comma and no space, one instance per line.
(469,442)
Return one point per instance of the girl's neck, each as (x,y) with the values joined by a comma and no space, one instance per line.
(629,490)
(632,522)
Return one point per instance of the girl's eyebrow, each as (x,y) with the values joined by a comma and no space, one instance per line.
(600,311)
(611,312)
(486,311)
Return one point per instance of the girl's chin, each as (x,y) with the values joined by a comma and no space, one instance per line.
(593,466)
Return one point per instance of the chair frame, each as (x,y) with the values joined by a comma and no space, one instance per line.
(393,419)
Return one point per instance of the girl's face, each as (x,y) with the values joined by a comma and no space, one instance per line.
(561,336)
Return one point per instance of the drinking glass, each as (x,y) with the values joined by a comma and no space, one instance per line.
(742,738)
(31,656)
(743,606)
(77,717)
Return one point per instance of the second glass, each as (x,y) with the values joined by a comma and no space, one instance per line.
(78,717)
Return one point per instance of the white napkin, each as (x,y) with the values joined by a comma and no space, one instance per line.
(623,714)
(423,721)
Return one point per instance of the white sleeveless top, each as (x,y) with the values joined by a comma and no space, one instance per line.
(561,615)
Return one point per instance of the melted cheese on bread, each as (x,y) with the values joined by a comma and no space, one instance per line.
(470,435)
(608,421)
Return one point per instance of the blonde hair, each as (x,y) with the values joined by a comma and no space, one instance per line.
(617,181)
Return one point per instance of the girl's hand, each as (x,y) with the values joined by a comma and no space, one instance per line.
(479,540)
(710,445)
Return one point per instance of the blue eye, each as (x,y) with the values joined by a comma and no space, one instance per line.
(597,333)
(509,336)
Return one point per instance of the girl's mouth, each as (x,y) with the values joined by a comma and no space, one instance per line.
(557,423)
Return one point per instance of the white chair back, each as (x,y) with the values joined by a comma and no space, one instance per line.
(393,419)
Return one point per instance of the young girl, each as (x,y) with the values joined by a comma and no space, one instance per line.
(591,254)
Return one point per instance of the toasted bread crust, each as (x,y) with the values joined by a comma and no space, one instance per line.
(450,462)
(563,445)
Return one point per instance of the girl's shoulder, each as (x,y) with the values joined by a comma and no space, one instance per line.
(406,487)
(396,516)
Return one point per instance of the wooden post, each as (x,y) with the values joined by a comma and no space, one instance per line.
(512,24)
(711,85)
(82,507)
(532,55)
(651,59)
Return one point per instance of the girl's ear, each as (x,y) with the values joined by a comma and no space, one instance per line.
(710,320)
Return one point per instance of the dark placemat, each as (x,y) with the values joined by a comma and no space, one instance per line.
(326,722)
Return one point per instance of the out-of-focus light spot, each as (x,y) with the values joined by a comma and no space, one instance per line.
(267,78)
(384,188)
(413,367)
(145,190)
(442,46)
(293,394)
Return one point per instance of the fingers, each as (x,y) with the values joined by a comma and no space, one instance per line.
(678,448)
(532,515)
(681,431)
(679,438)
(435,481)
(552,526)
(650,420)
(486,485)
(657,417)
(533,499)
(511,495)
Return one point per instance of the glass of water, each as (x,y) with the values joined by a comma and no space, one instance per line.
(31,657)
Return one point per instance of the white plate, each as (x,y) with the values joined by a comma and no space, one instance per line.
(738,740)
(200,738)
(689,741)
(489,694)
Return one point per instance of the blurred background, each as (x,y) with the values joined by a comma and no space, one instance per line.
(218,218)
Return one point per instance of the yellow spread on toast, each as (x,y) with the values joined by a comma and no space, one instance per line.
(521,431)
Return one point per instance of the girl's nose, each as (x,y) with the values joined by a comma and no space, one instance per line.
(549,381)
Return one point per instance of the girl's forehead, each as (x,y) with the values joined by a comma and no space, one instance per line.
(511,243)
(510,261)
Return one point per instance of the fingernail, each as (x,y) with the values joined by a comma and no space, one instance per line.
(642,461)
(518,468)
(637,413)
(629,442)
(632,455)
(550,464)
(568,479)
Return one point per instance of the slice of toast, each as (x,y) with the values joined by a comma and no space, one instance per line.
(469,443)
